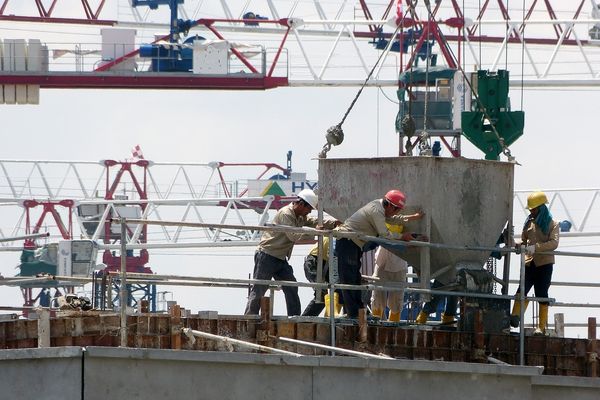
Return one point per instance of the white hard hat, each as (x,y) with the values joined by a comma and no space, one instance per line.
(310,197)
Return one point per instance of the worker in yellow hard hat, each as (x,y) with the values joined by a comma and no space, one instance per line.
(540,233)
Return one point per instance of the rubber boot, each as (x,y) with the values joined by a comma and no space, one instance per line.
(377,313)
(422,318)
(337,307)
(515,314)
(336,303)
(447,319)
(543,320)
(394,317)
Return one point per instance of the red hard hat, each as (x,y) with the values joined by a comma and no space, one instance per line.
(396,198)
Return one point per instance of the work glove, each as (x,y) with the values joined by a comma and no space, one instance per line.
(530,250)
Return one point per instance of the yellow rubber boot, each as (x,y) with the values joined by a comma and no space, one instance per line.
(543,321)
(377,313)
(394,316)
(422,318)
(448,319)
(336,303)
(337,307)
(515,314)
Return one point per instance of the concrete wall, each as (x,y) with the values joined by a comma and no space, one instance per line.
(61,373)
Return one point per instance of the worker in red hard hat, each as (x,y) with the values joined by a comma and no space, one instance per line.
(275,249)
(369,220)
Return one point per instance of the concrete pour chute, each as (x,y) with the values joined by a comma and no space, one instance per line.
(466,202)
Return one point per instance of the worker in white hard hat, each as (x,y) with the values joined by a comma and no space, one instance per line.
(275,249)
(540,233)
(369,220)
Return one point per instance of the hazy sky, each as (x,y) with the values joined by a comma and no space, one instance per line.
(558,150)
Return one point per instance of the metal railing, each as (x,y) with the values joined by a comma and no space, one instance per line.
(125,277)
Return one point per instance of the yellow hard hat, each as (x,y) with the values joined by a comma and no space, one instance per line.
(394,228)
(536,199)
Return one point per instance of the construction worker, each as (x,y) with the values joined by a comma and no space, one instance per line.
(389,268)
(369,220)
(540,233)
(275,249)
(314,308)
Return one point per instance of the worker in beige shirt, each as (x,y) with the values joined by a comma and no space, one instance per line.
(369,220)
(540,233)
(275,249)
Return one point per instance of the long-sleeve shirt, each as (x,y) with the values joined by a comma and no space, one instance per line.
(370,220)
(533,235)
(281,244)
(388,261)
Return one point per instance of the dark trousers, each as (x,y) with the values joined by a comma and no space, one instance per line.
(314,308)
(538,277)
(267,267)
(349,260)
(431,306)
(310,270)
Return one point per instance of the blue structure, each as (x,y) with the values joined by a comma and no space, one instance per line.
(171,58)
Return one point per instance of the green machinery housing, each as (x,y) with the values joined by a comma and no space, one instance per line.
(441,103)
(491,111)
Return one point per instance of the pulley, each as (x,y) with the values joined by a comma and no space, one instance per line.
(334,137)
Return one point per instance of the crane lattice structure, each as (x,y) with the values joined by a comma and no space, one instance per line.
(557,47)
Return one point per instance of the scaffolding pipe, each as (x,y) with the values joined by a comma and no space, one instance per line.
(190,333)
(123,296)
(350,235)
(333,349)
(140,278)
(24,237)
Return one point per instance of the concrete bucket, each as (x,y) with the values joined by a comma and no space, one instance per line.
(466,202)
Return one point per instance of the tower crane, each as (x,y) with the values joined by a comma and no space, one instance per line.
(439,23)
(297,60)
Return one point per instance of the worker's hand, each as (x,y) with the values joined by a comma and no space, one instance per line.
(421,238)
(530,250)
(411,217)
(419,214)
(518,247)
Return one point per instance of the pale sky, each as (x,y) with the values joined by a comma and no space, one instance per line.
(558,150)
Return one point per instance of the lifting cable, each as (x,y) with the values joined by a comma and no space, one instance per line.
(522,54)
(424,147)
(335,134)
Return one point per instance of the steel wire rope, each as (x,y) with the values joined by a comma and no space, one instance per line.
(479,29)
(407,124)
(507,26)
(522,56)
(335,134)
(505,149)
(424,146)
(391,100)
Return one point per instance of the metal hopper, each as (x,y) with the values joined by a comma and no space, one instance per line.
(466,202)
